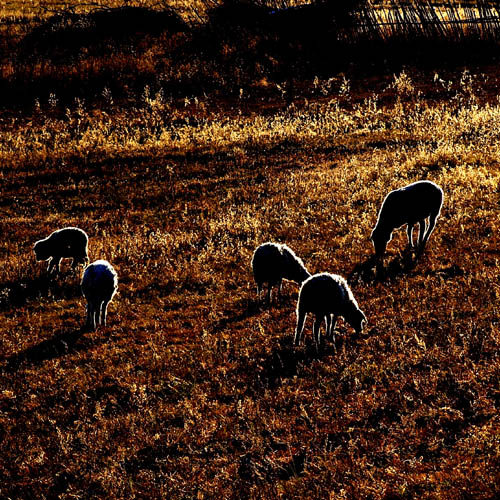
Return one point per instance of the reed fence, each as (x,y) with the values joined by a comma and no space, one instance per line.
(425,21)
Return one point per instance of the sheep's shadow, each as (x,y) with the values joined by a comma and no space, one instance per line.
(446,273)
(248,308)
(281,363)
(371,271)
(17,293)
(365,271)
(286,361)
(61,344)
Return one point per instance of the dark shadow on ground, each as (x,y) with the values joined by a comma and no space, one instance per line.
(247,308)
(369,271)
(447,273)
(61,344)
(64,285)
(285,361)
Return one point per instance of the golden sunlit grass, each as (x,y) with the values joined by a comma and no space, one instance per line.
(194,390)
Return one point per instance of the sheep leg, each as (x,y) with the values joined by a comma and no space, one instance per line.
(332,333)
(268,293)
(95,315)
(409,232)
(328,326)
(316,334)
(279,288)
(90,316)
(430,228)
(54,264)
(422,226)
(301,316)
(104,312)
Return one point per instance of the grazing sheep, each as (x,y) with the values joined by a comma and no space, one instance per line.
(327,296)
(414,203)
(273,262)
(99,284)
(66,242)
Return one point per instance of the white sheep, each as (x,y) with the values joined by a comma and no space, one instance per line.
(63,243)
(273,262)
(414,203)
(99,284)
(327,296)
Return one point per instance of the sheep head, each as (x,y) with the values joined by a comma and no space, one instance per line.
(356,319)
(42,250)
(380,237)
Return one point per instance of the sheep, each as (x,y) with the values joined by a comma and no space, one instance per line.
(327,296)
(414,203)
(273,262)
(99,284)
(63,243)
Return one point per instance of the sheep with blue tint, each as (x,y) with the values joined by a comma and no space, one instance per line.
(99,284)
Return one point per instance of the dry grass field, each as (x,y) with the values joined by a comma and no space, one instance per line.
(194,389)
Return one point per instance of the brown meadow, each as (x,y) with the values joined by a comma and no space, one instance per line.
(194,389)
